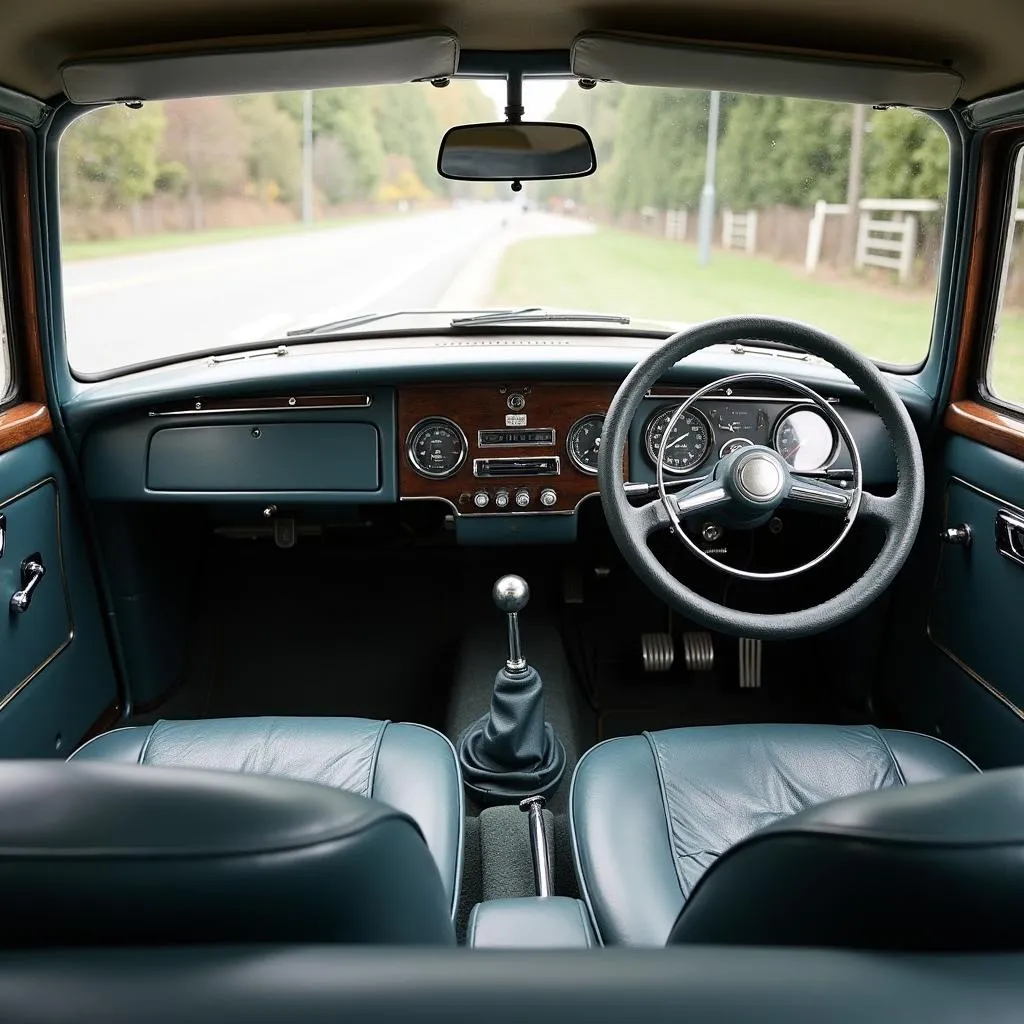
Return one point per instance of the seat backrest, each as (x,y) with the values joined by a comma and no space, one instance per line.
(106,854)
(929,867)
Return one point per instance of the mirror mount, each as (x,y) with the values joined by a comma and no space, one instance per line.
(514,108)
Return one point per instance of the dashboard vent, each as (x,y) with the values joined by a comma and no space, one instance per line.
(501,342)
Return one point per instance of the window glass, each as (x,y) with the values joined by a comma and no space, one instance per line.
(1006,362)
(6,356)
(203,225)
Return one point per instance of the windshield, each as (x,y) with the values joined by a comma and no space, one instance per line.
(200,225)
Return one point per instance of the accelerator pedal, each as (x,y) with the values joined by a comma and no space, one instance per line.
(750,663)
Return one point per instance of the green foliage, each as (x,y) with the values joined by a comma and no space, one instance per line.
(363,139)
(906,156)
(110,158)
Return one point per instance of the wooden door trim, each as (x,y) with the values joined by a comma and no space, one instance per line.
(967,415)
(29,418)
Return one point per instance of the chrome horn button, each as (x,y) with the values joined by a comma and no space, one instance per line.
(759,477)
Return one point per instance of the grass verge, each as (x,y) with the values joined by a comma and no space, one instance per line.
(113,247)
(617,272)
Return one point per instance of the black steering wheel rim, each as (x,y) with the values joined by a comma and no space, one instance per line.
(899,514)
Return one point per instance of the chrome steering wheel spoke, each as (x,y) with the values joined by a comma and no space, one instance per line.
(817,496)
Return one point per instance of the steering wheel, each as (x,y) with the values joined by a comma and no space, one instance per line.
(749,485)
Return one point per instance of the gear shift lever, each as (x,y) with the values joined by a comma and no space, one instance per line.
(511,752)
(511,593)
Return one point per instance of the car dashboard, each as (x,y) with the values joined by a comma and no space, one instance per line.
(509,448)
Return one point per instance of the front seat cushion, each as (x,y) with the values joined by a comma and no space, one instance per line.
(411,767)
(650,814)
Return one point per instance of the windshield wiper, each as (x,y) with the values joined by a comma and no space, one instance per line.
(337,325)
(534,313)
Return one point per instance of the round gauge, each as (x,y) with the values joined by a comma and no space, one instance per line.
(734,444)
(687,446)
(436,447)
(805,439)
(583,443)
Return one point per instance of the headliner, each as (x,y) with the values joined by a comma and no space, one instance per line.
(980,39)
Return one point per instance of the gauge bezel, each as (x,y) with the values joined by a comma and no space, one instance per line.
(570,433)
(416,428)
(744,442)
(810,407)
(667,410)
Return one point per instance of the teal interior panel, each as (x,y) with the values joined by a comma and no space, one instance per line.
(56,675)
(34,637)
(975,615)
(265,457)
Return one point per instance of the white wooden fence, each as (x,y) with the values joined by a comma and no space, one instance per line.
(739,230)
(888,241)
(675,225)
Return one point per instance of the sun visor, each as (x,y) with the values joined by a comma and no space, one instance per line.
(647,60)
(227,70)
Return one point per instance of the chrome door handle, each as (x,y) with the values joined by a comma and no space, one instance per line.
(1010,536)
(32,571)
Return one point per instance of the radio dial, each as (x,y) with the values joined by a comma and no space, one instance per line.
(522,497)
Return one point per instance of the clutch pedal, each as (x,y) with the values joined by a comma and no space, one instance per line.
(658,651)
(750,663)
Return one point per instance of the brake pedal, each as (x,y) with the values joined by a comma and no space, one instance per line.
(658,651)
(698,651)
(750,663)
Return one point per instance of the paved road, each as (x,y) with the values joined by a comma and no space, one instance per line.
(134,308)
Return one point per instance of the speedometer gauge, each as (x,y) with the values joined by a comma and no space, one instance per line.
(806,440)
(583,443)
(437,447)
(688,444)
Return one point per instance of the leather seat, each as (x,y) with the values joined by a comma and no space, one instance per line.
(410,767)
(96,854)
(651,815)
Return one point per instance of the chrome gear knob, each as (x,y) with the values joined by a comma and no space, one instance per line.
(511,594)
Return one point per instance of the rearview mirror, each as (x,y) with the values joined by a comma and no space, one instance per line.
(526,151)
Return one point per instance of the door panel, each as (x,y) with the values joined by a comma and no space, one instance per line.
(56,678)
(957,655)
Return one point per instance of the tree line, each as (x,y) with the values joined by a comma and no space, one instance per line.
(651,146)
(372,144)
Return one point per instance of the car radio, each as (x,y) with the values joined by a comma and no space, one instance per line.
(548,465)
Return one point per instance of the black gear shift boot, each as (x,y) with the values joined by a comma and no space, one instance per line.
(512,753)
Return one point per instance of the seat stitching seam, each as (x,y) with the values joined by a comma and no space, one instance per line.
(668,815)
(892,756)
(149,738)
(372,774)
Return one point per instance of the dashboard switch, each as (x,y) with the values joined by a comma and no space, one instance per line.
(481,499)
(522,497)
(548,497)
(501,499)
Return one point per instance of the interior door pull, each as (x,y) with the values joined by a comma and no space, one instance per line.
(32,571)
(1010,536)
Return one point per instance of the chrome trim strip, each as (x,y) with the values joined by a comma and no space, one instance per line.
(552,443)
(289,403)
(63,646)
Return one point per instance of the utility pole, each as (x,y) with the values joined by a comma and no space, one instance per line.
(706,216)
(848,239)
(307,157)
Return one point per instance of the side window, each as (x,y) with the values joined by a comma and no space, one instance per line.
(6,356)
(1006,354)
